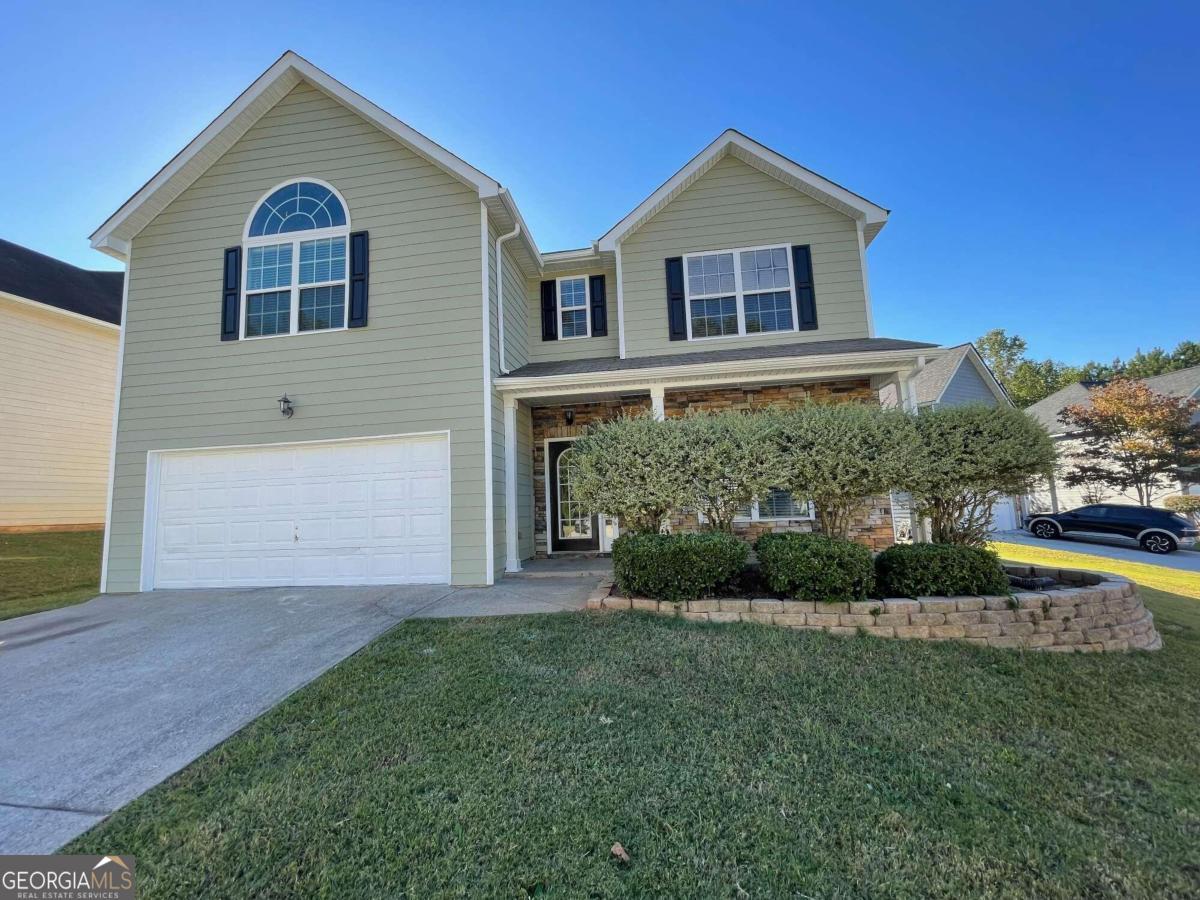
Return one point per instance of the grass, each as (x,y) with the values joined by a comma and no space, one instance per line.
(505,757)
(1174,581)
(47,570)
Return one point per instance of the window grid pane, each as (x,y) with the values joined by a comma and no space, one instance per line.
(297,207)
(572,293)
(715,317)
(322,307)
(768,312)
(711,274)
(574,323)
(269,267)
(764,270)
(780,504)
(322,260)
(268,313)
(573,519)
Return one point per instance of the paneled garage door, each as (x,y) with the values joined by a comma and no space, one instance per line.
(354,512)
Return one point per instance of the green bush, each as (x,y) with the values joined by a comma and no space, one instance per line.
(816,567)
(925,570)
(1185,505)
(676,567)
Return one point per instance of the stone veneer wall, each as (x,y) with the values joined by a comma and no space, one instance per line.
(872,525)
(1094,614)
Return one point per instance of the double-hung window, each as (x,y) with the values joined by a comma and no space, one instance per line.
(777,504)
(573,318)
(739,292)
(295,262)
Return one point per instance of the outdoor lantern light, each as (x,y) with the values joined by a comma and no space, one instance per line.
(569,416)
(285,406)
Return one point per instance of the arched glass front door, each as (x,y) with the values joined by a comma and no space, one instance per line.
(571,526)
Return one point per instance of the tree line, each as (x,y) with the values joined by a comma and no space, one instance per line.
(1030,380)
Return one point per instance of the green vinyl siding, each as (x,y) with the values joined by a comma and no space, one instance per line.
(415,368)
(734,205)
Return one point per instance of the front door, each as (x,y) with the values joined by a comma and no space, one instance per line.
(571,526)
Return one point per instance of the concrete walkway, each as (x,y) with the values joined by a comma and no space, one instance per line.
(104,700)
(1184,560)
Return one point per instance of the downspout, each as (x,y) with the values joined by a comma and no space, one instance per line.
(504,370)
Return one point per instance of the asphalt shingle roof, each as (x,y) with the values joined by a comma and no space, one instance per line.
(776,351)
(1183,383)
(34,276)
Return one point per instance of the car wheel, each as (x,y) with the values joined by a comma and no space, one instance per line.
(1158,543)
(1047,531)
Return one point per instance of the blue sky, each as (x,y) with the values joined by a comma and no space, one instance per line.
(1040,160)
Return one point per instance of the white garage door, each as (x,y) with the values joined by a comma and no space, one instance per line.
(353,512)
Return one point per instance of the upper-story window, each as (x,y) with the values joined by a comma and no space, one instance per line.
(573,319)
(739,292)
(295,262)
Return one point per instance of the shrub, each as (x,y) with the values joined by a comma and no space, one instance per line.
(728,460)
(1185,504)
(840,454)
(676,567)
(632,468)
(923,570)
(816,567)
(970,457)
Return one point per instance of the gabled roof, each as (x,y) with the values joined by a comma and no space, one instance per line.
(733,143)
(1181,383)
(225,130)
(29,275)
(929,385)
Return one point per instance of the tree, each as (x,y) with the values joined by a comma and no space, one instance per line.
(1185,504)
(1033,381)
(1132,438)
(970,457)
(631,467)
(837,455)
(1002,353)
(727,462)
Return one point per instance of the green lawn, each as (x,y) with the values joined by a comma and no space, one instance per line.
(1147,574)
(48,570)
(505,757)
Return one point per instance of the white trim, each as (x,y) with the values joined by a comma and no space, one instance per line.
(320,232)
(658,401)
(66,313)
(587,306)
(489,502)
(500,242)
(729,141)
(600,519)
(153,471)
(105,239)
(739,295)
(620,304)
(112,453)
(810,367)
(866,284)
(511,519)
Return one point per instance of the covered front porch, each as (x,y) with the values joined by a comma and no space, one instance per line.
(545,412)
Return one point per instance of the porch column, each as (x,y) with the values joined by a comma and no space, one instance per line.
(658,395)
(513,555)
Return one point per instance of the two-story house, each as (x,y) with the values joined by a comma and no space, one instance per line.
(345,359)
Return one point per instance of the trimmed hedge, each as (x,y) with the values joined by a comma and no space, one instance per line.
(676,567)
(924,570)
(816,567)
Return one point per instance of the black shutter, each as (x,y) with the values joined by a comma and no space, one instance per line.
(599,306)
(231,293)
(676,310)
(806,300)
(356,316)
(549,311)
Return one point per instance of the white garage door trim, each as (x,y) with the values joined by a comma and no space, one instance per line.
(154,459)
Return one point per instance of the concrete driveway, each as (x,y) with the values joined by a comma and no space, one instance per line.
(103,700)
(1184,560)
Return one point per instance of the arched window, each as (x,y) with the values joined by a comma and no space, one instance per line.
(295,261)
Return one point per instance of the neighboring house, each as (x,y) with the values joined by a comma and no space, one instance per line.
(1054,495)
(59,329)
(958,377)
(437,362)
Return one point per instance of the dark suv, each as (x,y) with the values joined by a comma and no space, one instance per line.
(1155,530)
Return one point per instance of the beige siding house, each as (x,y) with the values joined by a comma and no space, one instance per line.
(59,330)
(347,360)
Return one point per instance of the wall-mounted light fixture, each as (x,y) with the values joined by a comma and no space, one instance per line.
(569,416)
(285,407)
